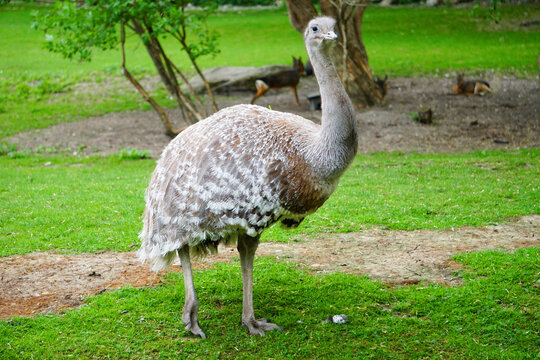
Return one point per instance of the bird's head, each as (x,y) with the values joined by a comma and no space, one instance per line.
(320,31)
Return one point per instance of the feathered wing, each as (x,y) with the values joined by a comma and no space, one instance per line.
(240,170)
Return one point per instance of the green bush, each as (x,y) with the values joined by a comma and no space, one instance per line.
(133,154)
(6,148)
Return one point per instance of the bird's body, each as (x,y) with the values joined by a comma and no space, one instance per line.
(240,170)
(232,175)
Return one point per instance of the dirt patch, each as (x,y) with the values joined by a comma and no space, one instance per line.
(507,118)
(44,282)
(404,257)
(41,282)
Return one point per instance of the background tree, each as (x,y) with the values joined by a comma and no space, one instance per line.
(76,30)
(350,55)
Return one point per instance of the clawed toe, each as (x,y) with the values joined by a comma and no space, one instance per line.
(195,330)
(189,318)
(258,327)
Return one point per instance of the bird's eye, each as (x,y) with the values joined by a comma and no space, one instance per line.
(315,28)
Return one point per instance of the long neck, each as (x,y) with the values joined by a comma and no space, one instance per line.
(338,139)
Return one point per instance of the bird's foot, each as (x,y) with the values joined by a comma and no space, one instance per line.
(195,329)
(258,327)
(192,325)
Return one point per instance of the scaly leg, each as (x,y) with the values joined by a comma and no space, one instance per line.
(191,306)
(246,247)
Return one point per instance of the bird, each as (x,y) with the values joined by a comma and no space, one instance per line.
(227,178)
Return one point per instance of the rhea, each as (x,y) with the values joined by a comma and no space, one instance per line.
(227,178)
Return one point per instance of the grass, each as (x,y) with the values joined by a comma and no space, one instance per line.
(442,38)
(75,204)
(494,315)
(71,204)
(33,101)
(448,40)
(38,89)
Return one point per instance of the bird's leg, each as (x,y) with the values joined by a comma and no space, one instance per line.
(191,305)
(246,247)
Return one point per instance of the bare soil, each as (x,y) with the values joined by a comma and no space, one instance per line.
(508,118)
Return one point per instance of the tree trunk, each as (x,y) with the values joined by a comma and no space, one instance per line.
(300,13)
(350,56)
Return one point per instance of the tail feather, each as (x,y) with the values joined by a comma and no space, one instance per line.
(158,262)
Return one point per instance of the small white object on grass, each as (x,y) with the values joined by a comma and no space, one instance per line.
(337,319)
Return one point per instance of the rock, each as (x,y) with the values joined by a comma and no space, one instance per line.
(337,319)
(229,79)
(340,319)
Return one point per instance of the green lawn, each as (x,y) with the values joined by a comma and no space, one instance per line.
(405,41)
(399,41)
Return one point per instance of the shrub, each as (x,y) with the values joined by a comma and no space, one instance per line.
(133,154)
(6,148)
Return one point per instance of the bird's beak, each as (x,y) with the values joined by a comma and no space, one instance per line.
(331,35)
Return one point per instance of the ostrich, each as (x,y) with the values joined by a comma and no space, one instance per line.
(227,178)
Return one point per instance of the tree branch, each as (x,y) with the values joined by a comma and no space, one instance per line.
(199,72)
(164,118)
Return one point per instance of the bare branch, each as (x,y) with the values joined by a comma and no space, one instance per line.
(164,118)
(199,72)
